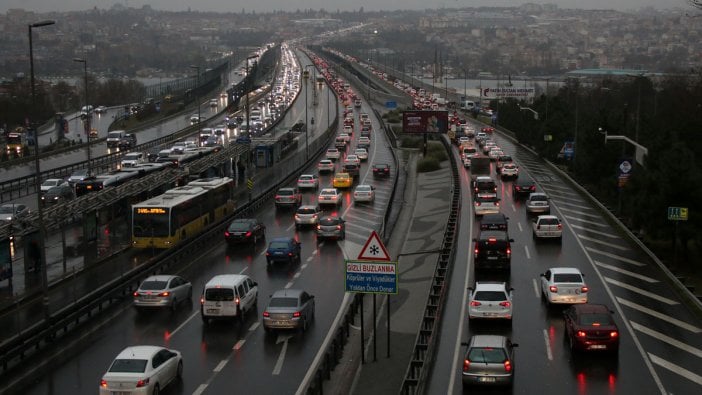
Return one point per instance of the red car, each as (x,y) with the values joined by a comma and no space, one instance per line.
(590,327)
(488,129)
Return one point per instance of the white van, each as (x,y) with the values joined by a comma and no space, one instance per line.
(228,296)
(114,137)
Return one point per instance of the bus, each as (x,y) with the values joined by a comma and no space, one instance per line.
(14,142)
(180,213)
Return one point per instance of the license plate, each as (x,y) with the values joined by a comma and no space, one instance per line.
(597,347)
(213,311)
(490,314)
(278,253)
(487,379)
(280,322)
(492,258)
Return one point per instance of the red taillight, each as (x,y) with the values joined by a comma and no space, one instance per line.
(553,288)
(297,216)
(560,226)
(202,300)
(581,334)
(266,314)
(338,227)
(319,227)
(103,383)
(584,289)
(475,303)
(613,334)
(497,204)
(296,314)
(164,294)
(477,204)
(466,365)
(248,234)
(476,251)
(142,383)
(290,254)
(226,234)
(237,301)
(505,304)
(268,253)
(509,251)
(492,240)
(136,294)
(508,366)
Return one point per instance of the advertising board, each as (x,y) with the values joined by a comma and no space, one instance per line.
(425,122)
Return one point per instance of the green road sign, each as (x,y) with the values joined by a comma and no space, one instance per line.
(677,213)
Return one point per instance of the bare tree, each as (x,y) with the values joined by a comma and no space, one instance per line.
(696,3)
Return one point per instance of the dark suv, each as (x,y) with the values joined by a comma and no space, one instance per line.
(283,249)
(522,188)
(493,250)
(494,222)
(352,168)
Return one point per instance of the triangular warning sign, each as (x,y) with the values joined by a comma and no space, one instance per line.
(374,250)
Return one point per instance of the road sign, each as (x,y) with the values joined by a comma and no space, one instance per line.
(250,183)
(390,104)
(371,277)
(374,250)
(677,213)
(625,166)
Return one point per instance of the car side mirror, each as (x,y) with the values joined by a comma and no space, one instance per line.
(511,289)
(542,275)
(515,345)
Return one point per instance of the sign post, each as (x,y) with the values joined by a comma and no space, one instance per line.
(676,214)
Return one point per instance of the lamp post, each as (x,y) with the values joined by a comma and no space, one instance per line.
(37,183)
(89,113)
(307,145)
(197,97)
(246,92)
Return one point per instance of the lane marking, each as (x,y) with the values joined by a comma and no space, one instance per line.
(661,316)
(519,225)
(296,275)
(244,269)
(239,344)
(667,339)
(600,224)
(617,257)
(578,212)
(641,291)
(677,369)
(183,324)
(536,288)
(612,236)
(594,240)
(254,326)
(514,208)
(626,272)
(304,265)
(200,389)
(288,285)
(281,358)
(526,249)
(221,365)
(309,259)
(549,353)
(562,202)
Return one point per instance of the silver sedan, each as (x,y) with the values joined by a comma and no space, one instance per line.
(162,291)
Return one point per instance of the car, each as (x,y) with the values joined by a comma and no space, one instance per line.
(288,197)
(365,132)
(114,137)
(162,291)
(353,169)
(484,186)
(348,129)
(283,249)
(591,327)
(325,166)
(245,231)
(219,130)
(142,370)
(228,296)
(342,180)
(509,170)
(547,227)
(522,188)
(85,110)
(307,214)
(50,183)
(501,160)
(364,193)
(537,203)
(463,140)
(195,118)
(496,221)
(486,205)
(129,141)
(333,154)
(214,102)
(489,361)
(13,211)
(493,250)
(308,181)
(340,143)
(329,196)
(288,309)
(100,110)
(490,300)
(495,153)
(381,170)
(331,227)
(58,194)
(363,142)
(488,129)
(345,136)
(361,153)
(78,175)
(563,285)
(352,159)
(132,159)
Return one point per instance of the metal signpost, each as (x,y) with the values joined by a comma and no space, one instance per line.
(676,214)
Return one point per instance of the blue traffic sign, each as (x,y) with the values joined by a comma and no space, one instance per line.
(391,104)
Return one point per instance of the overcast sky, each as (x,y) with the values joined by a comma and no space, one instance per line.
(330,5)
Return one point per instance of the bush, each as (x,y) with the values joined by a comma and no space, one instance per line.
(436,150)
(411,142)
(428,163)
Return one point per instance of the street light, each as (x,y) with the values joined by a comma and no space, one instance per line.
(89,113)
(37,184)
(536,114)
(197,97)
(307,145)
(246,92)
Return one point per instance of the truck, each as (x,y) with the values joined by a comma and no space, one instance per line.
(479,166)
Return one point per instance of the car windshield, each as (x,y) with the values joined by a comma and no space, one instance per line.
(153,285)
(306,211)
(539,198)
(486,199)
(381,166)
(79,173)
(329,221)
(283,302)
(239,226)
(128,366)
(486,355)
(7,210)
(328,193)
(363,188)
(278,245)
(567,278)
(286,192)
(490,296)
(219,294)
(548,221)
(595,319)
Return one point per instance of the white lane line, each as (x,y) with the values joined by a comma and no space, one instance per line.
(617,257)
(254,326)
(514,208)
(667,339)
(536,288)
(549,353)
(239,344)
(600,224)
(296,275)
(289,228)
(594,240)
(612,236)
(626,272)
(304,265)
(309,259)
(562,203)
(361,236)
(244,269)
(677,369)
(263,253)
(658,315)
(200,389)
(641,291)
(183,324)
(519,225)
(526,250)
(579,212)
(281,358)
(288,285)
(221,365)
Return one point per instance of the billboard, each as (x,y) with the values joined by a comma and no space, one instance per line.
(498,93)
(425,121)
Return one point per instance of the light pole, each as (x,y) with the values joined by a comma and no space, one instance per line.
(197,97)
(89,113)
(37,176)
(246,92)
(307,145)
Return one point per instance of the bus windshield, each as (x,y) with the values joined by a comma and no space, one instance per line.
(150,225)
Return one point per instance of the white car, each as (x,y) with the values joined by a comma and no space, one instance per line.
(486,205)
(364,193)
(346,137)
(306,181)
(132,159)
(220,130)
(363,142)
(564,285)
(509,170)
(333,154)
(547,227)
(50,183)
(361,153)
(495,153)
(329,196)
(325,165)
(490,300)
(142,370)
(352,159)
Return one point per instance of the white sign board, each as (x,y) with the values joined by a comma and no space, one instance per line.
(498,93)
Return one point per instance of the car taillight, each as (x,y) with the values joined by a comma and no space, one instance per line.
(466,365)
(553,288)
(266,314)
(136,294)
(560,227)
(277,197)
(613,334)
(268,253)
(297,216)
(581,334)
(319,227)
(314,216)
(497,204)
(142,383)
(290,254)
(508,366)
(476,251)
(164,294)
(584,289)
(103,383)
(202,300)
(296,314)
(475,303)
(226,234)
(505,304)
(477,204)
(533,189)
(237,301)
(338,227)
(509,251)
(248,234)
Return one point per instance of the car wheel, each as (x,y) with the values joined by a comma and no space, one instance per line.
(156,390)
(179,371)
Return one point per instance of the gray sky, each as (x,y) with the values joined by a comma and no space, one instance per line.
(330,5)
